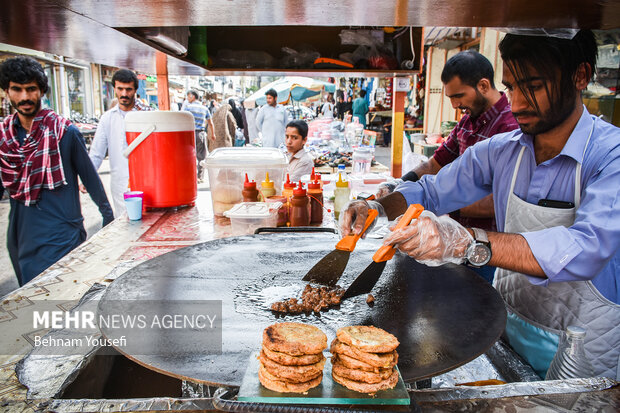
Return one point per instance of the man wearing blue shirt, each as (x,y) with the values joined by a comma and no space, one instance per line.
(202,118)
(557,205)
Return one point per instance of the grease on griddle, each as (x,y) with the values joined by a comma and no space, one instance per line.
(314,299)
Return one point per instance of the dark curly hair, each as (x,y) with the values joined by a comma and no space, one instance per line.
(22,70)
(125,76)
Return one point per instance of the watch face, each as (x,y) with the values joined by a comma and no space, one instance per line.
(481,255)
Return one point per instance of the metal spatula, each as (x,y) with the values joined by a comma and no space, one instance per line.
(369,277)
(330,268)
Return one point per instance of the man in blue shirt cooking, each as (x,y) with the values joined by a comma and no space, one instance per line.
(557,205)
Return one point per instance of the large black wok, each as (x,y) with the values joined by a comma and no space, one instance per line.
(443,316)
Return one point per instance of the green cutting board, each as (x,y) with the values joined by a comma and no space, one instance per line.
(328,392)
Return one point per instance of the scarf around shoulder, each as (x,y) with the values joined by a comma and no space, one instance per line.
(27,169)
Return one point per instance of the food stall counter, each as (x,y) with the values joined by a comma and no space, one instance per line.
(125,244)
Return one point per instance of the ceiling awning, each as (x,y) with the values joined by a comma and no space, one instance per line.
(455,36)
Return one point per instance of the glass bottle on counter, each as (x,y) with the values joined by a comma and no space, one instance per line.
(267,189)
(300,207)
(570,361)
(342,194)
(315,193)
(249,193)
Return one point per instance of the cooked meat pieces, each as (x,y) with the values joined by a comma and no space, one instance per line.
(368,338)
(294,374)
(369,388)
(360,375)
(295,339)
(288,360)
(312,299)
(382,360)
(284,386)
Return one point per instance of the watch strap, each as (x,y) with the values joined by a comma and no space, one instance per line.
(480,235)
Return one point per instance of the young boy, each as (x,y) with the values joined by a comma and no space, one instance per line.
(299,161)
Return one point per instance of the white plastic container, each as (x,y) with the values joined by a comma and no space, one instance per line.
(227,167)
(248,216)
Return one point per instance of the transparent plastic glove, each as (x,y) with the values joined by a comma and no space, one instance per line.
(433,240)
(354,214)
(387,188)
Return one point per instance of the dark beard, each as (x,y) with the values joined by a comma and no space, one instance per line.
(559,110)
(30,114)
(479,106)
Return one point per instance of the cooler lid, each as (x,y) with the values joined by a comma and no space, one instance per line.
(246,157)
(164,121)
(253,210)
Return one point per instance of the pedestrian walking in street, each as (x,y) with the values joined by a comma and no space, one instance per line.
(202,118)
(110,136)
(41,157)
(360,108)
(225,127)
(272,120)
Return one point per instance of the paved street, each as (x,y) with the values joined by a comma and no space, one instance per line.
(92,220)
(92,223)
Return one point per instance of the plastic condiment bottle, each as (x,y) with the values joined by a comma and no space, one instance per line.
(267,188)
(288,187)
(316,177)
(342,193)
(315,193)
(249,193)
(300,207)
(287,193)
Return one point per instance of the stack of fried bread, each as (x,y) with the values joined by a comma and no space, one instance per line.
(364,359)
(291,360)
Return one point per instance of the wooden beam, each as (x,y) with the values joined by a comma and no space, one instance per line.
(163,94)
(398,123)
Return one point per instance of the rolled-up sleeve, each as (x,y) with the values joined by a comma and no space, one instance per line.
(460,183)
(581,251)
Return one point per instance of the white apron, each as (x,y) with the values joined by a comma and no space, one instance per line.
(537,314)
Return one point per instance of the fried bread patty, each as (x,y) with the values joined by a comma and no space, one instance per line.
(368,388)
(274,383)
(288,360)
(353,363)
(295,374)
(383,360)
(360,375)
(369,339)
(295,339)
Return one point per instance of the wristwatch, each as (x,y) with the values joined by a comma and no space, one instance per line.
(480,253)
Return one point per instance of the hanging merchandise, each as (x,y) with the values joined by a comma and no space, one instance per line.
(388,93)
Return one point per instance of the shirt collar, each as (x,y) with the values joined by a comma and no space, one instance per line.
(578,139)
(493,112)
(576,143)
(297,155)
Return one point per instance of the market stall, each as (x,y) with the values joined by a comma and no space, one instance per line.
(140,253)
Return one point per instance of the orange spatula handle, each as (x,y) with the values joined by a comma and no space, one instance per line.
(386,252)
(348,243)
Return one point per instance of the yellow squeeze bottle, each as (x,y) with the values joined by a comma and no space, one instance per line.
(267,188)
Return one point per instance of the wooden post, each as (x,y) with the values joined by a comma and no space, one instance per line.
(398,122)
(163,94)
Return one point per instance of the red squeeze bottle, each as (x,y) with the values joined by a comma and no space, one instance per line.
(315,193)
(299,215)
(249,193)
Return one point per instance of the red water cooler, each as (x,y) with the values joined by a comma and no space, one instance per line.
(162,157)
